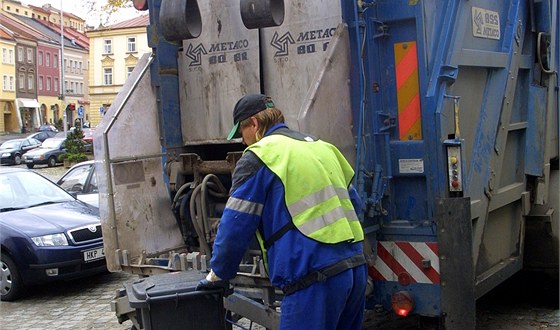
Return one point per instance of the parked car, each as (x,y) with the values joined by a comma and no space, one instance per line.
(48,153)
(47,127)
(81,180)
(46,234)
(11,151)
(88,135)
(42,135)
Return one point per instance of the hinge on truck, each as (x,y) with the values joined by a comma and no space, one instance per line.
(448,73)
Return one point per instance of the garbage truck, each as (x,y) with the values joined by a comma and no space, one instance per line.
(447,110)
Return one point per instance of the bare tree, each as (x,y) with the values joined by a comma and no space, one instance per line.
(106,11)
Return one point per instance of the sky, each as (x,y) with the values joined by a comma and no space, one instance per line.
(78,8)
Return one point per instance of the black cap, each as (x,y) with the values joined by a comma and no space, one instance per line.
(248,106)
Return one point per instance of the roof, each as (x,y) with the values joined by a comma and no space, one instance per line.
(49,29)
(21,30)
(5,33)
(49,9)
(140,21)
(39,9)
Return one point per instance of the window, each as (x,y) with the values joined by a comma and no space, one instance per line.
(21,83)
(30,80)
(48,59)
(55,61)
(129,70)
(108,46)
(29,55)
(11,56)
(73,66)
(131,41)
(56,84)
(48,83)
(72,87)
(5,83)
(65,64)
(40,83)
(80,67)
(81,88)
(108,76)
(20,54)
(40,58)
(70,65)
(11,85)
(66,86)
(5,55)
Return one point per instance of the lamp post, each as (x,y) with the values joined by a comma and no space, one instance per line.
(64,122)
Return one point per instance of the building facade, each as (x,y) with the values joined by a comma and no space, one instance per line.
(55,78)
(45,13)
(114,52)
(8,119)
(64,100)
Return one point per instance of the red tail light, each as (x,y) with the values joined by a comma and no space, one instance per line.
(402,303)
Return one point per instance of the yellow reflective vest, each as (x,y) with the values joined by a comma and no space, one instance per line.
(316,177)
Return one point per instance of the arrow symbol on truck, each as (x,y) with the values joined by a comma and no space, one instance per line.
(282,43)
(195,54)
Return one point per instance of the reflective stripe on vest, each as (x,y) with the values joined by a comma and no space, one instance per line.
(316,186)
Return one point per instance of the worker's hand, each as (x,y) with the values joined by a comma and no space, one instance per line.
(213,282)
(204,284)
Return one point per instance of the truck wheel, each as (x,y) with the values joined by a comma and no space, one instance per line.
(30,165)
(17,159)
(52,161)
(11,285)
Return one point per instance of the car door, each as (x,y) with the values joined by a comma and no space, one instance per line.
(82,181)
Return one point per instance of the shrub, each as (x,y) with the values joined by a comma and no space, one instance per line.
(75,149)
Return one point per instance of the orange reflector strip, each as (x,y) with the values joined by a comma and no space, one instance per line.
(408,91)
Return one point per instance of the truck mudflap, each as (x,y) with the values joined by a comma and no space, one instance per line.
(456,263)
(437,277)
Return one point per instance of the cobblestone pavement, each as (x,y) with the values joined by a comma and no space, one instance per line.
(80,304)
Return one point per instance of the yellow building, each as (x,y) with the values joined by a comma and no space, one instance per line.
(113,54)
(8,121)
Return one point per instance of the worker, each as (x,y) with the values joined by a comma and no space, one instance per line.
(293,191)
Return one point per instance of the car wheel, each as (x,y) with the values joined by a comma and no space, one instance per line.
(17,159)
(11,285)
(51,161)
(30,165)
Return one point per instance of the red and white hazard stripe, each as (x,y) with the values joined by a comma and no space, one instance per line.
(398,260)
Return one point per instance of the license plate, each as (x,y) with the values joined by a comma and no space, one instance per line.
(94,254)
(29,160)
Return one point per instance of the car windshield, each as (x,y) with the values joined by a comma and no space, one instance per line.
(51,144)
(25,189)
(10,144)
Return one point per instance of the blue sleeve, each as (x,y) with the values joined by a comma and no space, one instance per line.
(239,222)
(356,199)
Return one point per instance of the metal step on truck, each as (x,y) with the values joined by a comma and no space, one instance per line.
(448,111)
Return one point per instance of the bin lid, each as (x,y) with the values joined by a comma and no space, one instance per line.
(160,286)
